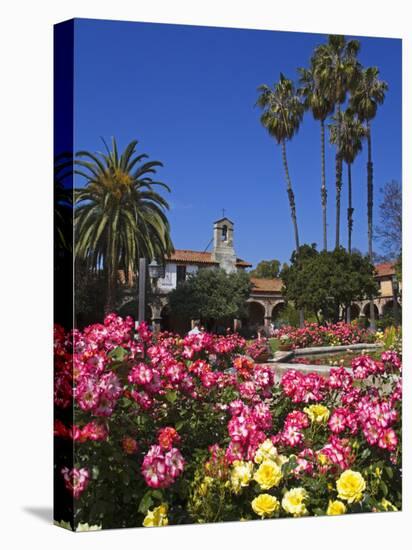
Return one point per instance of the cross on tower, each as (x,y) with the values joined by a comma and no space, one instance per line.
(223,212)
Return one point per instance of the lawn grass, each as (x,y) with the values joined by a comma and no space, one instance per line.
(274,344)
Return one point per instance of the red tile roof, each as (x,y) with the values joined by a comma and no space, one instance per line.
(266,285)
(385,269)
(195,257)
(242,263)
(191,257)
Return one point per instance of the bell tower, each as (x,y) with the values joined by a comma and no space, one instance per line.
(223,249)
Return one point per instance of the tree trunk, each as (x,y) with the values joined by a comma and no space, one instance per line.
(291,196)
(370,219)
(110,298)
(350,209)
(323,191)
(338,182)
(292,204)
(111,277)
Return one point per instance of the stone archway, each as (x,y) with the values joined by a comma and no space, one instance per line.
(366,311)
(355,311)
(256,315)
(277,311)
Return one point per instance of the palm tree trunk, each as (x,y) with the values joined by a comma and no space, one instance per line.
(370,219)
(292,204)
(291,196)
(350,209)
(111,277)
(338,182)
(323,192)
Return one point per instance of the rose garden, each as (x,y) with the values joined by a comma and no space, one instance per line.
(297,416)
(173,430)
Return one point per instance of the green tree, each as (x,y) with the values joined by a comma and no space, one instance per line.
(321,106)
(282,114)
(119,217)
(266,269)
(368,94)
(337,69)
(328,282)
(347,132)
(389,229)
(211,295)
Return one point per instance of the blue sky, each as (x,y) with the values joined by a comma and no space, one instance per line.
(188,93)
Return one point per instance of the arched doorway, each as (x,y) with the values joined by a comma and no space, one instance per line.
(366,312)
(256,315)
(277,314)
(354,311)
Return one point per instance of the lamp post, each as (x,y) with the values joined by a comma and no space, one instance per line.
(395,288)
(142,290)
(156,271)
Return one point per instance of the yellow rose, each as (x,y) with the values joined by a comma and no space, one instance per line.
(87,527)
(350,486)
(317,413)
(293,502)
(266,451)
(335,508)
(265,505)
(64,524)
(268,474)
(241,475)
(156,517)
(204,486)
(388,506)
(322,459)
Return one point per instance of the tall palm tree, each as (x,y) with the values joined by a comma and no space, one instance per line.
(282,114)
(337,68)
(119,217)
(368,94)
(63,202)
(321,107)
(348,129)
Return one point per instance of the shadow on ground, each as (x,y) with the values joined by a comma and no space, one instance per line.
(42,512)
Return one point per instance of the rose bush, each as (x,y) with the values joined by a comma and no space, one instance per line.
(168,430)
(312,334)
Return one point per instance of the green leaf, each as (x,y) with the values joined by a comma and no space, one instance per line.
(179,425)
(118,354)
(389,472)
(171,396)
(365,454)
(146,502)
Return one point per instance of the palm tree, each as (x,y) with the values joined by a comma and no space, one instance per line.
(368,94)
(119,217)
(350,132)
(282,114)
(337,68)
(63,202)
(321,107)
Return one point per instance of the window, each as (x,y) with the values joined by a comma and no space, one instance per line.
(180,274)
(224,233)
